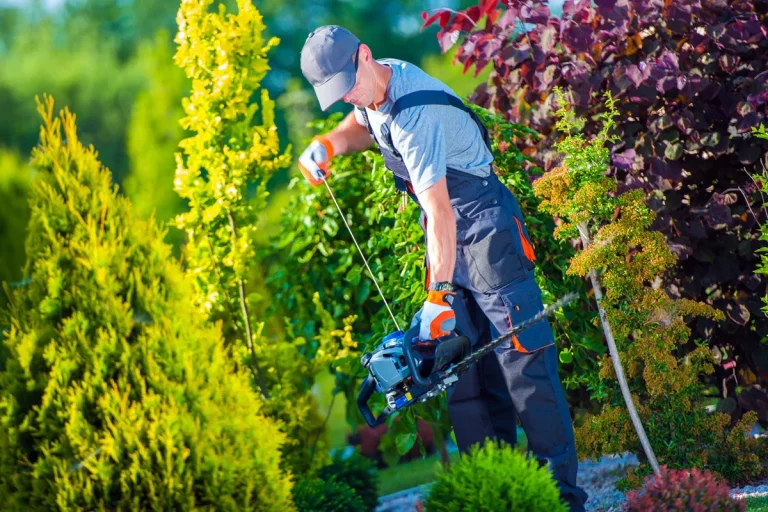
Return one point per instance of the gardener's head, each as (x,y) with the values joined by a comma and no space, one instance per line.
(338,66)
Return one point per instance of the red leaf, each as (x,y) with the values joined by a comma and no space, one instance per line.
(459,23)
(430,20)
(440,13)
(446,40)
(444,17)
(480,65)
(474,13)
(488,5)
(468,63)
(492,17)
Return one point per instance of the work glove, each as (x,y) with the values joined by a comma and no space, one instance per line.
(436,317)
(313,162)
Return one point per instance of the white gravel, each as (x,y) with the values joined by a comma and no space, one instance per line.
(598,478)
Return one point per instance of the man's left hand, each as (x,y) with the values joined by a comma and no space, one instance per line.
(436,317)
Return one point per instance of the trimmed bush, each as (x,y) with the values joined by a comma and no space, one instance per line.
(491,478)
(331,495)
(358,473)
(683,490)
(116,395)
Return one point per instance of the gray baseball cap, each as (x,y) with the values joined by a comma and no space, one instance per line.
(326,61)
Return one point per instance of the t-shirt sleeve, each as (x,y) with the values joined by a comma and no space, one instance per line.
(420,139)
(358,116)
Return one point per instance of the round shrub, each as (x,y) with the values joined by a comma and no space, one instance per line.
(494,477)
(685,491)
(329,495)
(357,472)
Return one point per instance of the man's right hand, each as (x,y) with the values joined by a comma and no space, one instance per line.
(313,162)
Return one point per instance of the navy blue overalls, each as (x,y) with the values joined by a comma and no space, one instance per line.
(495,285)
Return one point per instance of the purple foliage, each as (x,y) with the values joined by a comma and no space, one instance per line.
(691,79)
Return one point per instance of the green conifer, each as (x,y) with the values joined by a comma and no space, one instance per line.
(116,393)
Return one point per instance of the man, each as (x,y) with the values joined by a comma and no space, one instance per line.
(479,258)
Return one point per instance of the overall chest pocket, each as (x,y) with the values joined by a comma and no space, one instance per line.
(477,198)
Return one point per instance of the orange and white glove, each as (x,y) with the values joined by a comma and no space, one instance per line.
(436,317)
(313,162)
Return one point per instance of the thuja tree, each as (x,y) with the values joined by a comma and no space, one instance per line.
(627,263)
(690,79)
(223,172)
(117,395)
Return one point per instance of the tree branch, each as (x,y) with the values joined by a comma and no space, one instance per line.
(616,360)
(246,318)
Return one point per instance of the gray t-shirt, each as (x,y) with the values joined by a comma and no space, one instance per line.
(428,137)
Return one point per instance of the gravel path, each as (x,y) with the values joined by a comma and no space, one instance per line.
(598,478)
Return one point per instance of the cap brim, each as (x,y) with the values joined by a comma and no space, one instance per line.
(336,87)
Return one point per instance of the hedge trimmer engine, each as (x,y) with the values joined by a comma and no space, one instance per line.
(408,370)
(390,370)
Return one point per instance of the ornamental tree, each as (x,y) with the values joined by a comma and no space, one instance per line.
(223,171)
(690,79)
(645,328)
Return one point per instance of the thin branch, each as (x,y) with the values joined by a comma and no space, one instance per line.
(456,13)
(220,279)
(320,430)
(229,301)
(246,318)
(758,187)
(746,200)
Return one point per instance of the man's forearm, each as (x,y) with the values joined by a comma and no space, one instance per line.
(441,246)
(349,136)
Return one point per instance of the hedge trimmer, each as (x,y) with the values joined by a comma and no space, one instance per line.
(408,370)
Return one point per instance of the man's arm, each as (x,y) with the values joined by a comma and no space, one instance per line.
(349,136)
(441,231)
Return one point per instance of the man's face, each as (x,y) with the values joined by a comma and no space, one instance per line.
(361,94)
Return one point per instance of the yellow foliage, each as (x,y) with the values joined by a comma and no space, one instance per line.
(649,326)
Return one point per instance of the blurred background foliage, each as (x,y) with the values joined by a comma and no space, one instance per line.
(108,61)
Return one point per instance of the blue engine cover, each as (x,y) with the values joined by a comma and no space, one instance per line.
(387,362)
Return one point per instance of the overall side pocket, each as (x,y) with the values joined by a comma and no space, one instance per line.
(494,261)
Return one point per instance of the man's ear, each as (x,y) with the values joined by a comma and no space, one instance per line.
(365,52)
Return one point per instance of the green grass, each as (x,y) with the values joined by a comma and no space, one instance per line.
(421,471)
(410,474)
(757,504)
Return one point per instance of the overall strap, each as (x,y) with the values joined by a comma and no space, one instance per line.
(431,97)
(427,97)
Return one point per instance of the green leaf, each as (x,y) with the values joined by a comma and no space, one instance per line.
(363,291)
(711,139)
(353,276)
(405,442)
(566,356)
(673,151)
